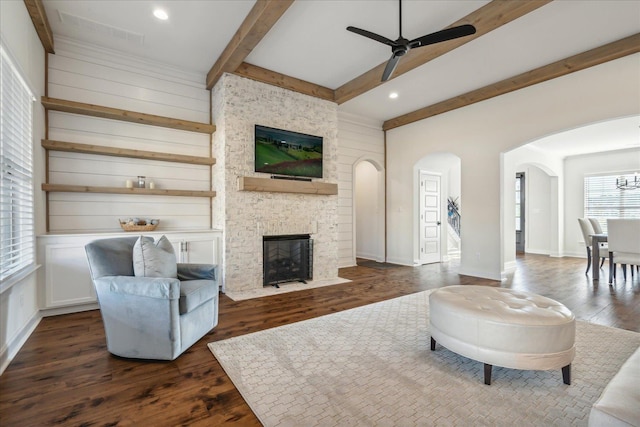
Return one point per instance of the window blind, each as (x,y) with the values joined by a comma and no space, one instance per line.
(16,171)
(603,200)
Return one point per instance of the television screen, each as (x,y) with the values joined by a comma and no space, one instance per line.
(282,152)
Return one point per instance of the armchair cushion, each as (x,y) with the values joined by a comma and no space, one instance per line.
(154,259)
(197,271)
(194,293)
(111,257)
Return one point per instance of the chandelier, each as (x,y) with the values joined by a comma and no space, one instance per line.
(624,183)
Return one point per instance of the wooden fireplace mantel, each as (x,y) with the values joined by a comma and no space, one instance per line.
(251,183)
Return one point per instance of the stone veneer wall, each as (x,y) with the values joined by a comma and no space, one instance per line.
(245,216)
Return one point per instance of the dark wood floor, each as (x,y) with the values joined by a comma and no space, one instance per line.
(64,374)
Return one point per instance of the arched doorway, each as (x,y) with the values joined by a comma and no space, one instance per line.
(543,209)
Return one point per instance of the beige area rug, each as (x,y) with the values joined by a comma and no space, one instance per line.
(283,289)
(372,366)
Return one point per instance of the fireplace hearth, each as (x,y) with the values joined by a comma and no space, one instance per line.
(287,258)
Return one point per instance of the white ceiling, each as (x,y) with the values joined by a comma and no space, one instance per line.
(310,41)
(615,134)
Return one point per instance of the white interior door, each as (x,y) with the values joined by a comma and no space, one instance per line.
(429,217)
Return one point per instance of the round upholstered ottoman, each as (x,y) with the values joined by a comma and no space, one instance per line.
(503,327)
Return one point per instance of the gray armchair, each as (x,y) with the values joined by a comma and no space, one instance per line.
(151,317)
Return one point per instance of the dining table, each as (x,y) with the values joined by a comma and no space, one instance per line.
(596,239)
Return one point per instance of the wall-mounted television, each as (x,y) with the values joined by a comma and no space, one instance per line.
(287,153)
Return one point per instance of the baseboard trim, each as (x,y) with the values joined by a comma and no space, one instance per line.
(368,255)
(12,348)
(576,254)
(400,261)
(69,309)
(347,265)
(510,266)
(537,251)
(481,274)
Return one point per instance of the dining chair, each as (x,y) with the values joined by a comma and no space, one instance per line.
(624,245)
(604,246)
(597,228)
(587,232)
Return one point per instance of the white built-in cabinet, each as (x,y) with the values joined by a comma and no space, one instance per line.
(65,270)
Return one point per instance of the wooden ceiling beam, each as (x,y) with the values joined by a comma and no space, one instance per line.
(263,16)
(609,52)
(489,17)
(276,79)
(41,23)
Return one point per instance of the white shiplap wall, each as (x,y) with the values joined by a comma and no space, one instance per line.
(359,139)
(86,74)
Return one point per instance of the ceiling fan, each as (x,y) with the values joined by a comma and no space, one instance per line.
(401,46)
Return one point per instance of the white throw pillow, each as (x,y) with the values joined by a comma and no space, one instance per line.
(154,259)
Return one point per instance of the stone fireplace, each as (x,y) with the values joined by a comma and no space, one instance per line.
(249,216)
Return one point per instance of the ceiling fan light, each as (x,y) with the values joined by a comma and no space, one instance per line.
(401,46)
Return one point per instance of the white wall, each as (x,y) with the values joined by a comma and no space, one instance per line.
(359,139)
(367,210)
(19,304)
(479,133)
(97,76)
(576,167)
(455,173)
(537,211)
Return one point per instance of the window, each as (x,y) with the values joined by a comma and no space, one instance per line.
(603,200)
(16,171)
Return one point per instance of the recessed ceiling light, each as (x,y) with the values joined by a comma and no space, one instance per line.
(393,95)
(160,14)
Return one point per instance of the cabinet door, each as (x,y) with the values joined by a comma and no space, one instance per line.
(199,251)
(195,249)
(68,280)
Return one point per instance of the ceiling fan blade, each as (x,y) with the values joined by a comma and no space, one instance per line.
(443,35)
(391,67)
(372,36)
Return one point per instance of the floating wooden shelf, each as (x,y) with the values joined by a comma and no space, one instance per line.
(125,152)
(124,115)
(248,183)
(61,188)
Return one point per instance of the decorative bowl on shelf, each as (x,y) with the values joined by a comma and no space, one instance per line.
(137,224)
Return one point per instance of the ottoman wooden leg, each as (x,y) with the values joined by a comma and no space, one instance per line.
(487,373)
(433,344)
(566,374)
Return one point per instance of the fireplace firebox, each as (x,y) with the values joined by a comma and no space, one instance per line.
(287,258)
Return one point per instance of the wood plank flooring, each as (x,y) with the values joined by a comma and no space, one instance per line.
(64,375)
